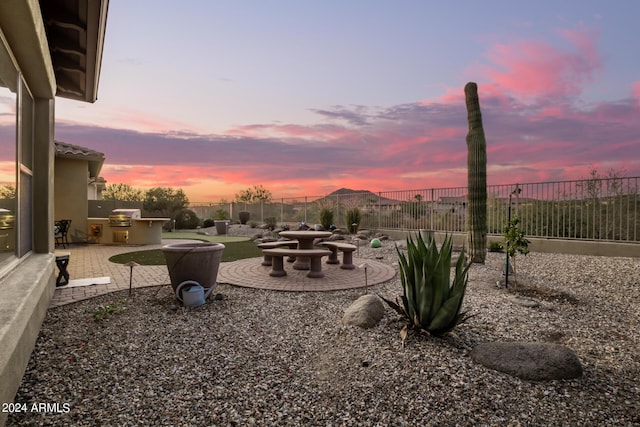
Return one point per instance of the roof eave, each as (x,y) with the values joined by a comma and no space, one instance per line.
(76,61)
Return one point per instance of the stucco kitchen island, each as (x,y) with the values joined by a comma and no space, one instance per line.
(125,227)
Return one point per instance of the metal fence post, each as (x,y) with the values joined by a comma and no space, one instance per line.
(379,210)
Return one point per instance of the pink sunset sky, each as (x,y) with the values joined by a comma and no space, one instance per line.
(308,97)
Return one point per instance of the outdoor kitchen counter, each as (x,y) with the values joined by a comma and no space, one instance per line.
(142,231)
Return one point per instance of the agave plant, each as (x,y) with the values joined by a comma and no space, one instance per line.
(431,301)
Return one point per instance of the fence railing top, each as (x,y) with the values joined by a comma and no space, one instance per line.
(386,193)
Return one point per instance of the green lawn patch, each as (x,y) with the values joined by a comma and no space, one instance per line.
(192,235)
(233,251)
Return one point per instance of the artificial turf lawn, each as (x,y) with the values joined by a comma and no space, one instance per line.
(233,251)
(192,235)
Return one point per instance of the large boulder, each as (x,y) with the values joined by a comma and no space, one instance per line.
(529,360)
(365,312)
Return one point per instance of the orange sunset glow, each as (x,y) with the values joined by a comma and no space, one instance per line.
(304,110)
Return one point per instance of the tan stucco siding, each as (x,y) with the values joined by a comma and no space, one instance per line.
(71,196)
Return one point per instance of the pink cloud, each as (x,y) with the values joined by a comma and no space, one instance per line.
(536,69)
(636,91)
(324,132)
(550,111)
(415,145)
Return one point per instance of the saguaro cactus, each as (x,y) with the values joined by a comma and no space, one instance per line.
(477,177)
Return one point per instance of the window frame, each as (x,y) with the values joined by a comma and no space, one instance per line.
(23,146)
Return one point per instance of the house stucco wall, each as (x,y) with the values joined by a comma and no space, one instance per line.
(70,180)
(28,283)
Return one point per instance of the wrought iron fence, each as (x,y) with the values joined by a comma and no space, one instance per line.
(594,209)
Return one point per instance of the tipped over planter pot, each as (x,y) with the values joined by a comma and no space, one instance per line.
(193,262)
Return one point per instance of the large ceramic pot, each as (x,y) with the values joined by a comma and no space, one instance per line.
(221,226)
(193,262)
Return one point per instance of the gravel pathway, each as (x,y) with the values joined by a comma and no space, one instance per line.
(257,357)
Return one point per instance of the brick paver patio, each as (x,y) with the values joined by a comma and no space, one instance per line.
(92,261)
(250,273)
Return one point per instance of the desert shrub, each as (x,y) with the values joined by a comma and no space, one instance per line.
(209,222)
(270,222)
(326,218)
(244,217)
(221,214)
(187,219)
(353,217)
(495,246)
(515,242)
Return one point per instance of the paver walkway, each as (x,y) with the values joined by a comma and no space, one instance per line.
(92,261)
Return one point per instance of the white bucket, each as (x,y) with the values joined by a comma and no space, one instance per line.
(192,293)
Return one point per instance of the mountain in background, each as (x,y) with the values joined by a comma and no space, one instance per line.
(365,194)
(350,191)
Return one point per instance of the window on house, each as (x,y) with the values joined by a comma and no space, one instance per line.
(25,162)
(8,170)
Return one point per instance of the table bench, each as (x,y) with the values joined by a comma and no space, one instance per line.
(347,251)
(315,255)
(291,244)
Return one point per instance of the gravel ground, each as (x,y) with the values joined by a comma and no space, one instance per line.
(259,357)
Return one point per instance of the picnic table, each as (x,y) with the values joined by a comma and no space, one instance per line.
(305,240)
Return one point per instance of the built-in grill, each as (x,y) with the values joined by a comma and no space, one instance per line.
(124,227)
(123,217)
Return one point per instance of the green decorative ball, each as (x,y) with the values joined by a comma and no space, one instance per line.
(376,243)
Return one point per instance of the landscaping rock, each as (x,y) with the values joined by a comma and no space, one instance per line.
(365,312)
(525,302)
(266,239)
(529,360)
(360,242)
